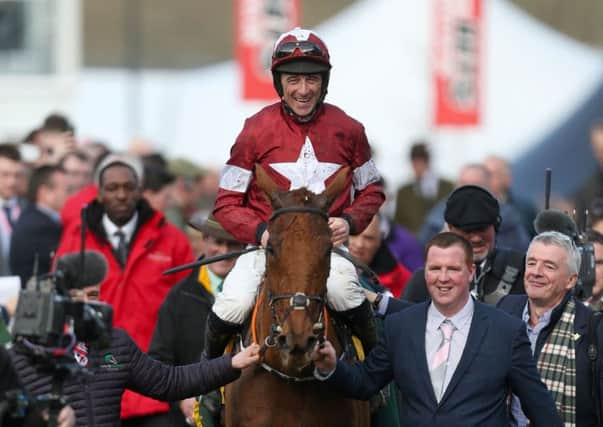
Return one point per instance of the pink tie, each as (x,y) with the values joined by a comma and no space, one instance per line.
(437,367)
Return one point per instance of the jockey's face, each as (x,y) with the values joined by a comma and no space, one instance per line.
(301,92)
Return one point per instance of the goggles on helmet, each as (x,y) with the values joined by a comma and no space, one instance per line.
(306,47)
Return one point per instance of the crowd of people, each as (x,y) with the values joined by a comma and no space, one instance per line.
(481,322)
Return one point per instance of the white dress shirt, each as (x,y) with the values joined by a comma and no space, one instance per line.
(433,336)
(128,229)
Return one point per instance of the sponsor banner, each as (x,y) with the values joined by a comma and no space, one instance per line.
(258,24)
(457,45)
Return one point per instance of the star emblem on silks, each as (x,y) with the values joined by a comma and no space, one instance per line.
(307,171)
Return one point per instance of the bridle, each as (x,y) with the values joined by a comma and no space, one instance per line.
(299,209)
(297,301)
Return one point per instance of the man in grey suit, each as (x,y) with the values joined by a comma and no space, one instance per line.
(454,359)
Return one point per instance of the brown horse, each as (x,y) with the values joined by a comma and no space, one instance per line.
(290,318)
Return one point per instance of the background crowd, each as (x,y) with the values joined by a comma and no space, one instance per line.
(54,201)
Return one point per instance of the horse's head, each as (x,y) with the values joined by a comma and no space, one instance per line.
(297,265)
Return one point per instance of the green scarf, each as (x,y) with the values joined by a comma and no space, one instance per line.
(557,365)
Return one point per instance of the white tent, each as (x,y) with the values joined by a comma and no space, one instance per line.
(533,79)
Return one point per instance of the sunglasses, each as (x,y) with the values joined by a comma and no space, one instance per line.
(306,47)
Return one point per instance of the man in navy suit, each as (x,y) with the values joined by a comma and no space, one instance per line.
(454,359)
(38,229)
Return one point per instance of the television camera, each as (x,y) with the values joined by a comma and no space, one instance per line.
(49,323)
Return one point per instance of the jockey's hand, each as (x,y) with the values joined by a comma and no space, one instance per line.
(248,357)
(264,239)
(340,230)
(324,358)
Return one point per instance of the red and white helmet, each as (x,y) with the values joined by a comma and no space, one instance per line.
(300,51)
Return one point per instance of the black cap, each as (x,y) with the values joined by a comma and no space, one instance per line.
(471,207)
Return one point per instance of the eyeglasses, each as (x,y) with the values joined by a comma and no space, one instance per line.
(305,46)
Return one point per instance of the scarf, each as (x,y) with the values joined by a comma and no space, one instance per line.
(557,365)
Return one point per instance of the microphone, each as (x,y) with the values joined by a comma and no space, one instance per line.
(94,272)
(555,220)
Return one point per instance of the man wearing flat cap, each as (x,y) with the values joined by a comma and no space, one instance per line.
(178,336)
(473,213)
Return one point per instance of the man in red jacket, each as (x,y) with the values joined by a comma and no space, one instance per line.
(139,244)
(300,142)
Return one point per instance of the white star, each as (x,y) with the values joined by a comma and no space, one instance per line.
(307,171)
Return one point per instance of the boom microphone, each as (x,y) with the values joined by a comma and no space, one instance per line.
(93,273)
(555,220)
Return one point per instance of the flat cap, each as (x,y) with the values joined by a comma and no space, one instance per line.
(211,227)
(471,207)
(185,168)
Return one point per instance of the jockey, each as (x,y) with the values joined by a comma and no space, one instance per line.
(300,142)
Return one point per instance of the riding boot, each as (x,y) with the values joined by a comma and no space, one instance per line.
(362,321)
(218,333)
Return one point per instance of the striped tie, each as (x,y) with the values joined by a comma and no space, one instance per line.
(439,363)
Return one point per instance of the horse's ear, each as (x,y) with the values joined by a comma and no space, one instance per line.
(336,186)
(265,183)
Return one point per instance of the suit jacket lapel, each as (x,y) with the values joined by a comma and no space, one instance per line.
(477,332)
(418,345)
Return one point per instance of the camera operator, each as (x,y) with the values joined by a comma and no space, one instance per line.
(95,394)
(10,382)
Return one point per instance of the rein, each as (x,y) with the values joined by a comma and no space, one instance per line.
(299,209)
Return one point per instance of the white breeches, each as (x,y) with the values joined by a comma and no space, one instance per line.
(240,287)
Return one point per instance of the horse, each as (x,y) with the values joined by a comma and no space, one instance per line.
(290,318)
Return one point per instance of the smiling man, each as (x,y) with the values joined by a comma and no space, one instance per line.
(557,326)
(300,141)
(454,359)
